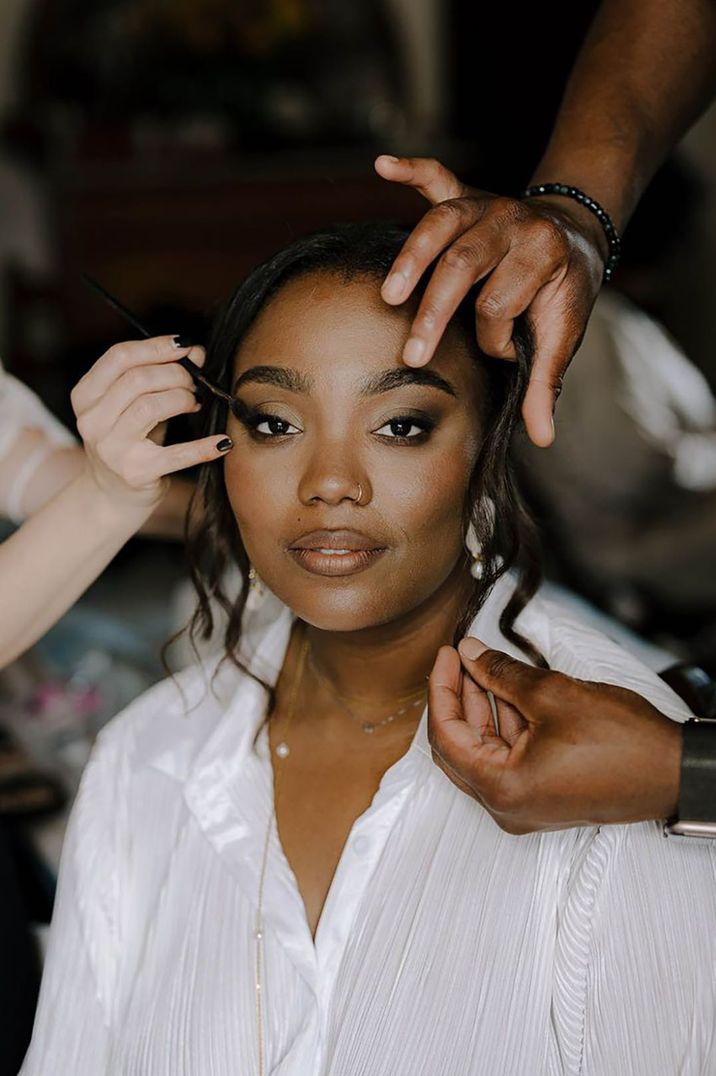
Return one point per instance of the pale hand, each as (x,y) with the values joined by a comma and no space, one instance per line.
(545,258)
(570,752)
(122,405)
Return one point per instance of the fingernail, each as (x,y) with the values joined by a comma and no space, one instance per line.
(183,341)
(471,648)
(414,351)
(394,287)
(225,445)
(390,157)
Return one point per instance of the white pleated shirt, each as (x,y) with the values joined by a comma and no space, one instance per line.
(446,946)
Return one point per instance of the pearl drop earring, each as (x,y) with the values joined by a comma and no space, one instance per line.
(474,548)
(257,590)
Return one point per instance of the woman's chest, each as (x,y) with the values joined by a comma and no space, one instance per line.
(426,909)
(320,795)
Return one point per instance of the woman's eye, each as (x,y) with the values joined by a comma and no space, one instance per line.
(404,429)
(273,426)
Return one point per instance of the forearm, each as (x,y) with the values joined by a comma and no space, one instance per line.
(52,559)
(62,465)
(168,518)
(645,71)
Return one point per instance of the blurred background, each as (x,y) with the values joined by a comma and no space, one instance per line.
(166,146)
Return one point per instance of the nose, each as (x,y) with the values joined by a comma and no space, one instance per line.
(332,476)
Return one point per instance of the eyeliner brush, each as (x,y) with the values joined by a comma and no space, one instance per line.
(188,365)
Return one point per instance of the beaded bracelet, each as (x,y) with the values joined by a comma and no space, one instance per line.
(615,243)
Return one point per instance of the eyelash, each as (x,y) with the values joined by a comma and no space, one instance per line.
(425,425)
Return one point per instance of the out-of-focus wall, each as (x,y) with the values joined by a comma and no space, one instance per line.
(22,235)
(12,14)
(424,39)
(692,311)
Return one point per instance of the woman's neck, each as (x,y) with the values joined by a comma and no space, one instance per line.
(391,660)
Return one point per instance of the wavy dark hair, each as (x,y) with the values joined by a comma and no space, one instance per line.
(505,531)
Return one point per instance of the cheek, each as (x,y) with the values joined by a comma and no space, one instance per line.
(258,491)
(425,495)
(438,532)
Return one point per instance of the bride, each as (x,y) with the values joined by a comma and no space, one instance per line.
(265,871)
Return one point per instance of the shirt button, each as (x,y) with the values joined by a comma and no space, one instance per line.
(361,845)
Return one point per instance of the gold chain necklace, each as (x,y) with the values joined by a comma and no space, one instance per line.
(410,701)
(259,921)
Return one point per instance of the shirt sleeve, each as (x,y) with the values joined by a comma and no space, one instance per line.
(21,409)
(74,1020)
(650,976)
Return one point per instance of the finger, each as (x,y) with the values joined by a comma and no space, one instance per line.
(496,722)
(149,410)
(508,679)
(448,730)
(191,454)
(477,772)
(440,227)
(132,384)
(508,292)
(510,722)
(470,258)
(454,776)
(474,766)
(426,175)
(476,708)
(558,327)
(122,357)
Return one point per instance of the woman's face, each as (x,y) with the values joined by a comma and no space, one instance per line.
(350,470)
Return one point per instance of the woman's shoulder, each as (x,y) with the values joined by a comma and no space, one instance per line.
(177,714)
(168,725)
(573,646)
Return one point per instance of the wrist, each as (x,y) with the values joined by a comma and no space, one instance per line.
(109,512)
(577,217)
(667,794)
(695,814)
(609,172)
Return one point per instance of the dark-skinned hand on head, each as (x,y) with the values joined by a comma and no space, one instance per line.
(544,257)
(569,752)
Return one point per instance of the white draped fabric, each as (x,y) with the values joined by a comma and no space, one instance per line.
(446,947)
(21,409)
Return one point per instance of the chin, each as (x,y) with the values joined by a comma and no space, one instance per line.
(331,608)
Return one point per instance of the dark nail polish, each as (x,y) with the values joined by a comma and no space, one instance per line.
(183,341)
(225,445)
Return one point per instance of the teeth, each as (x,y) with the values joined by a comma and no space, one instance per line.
(334,552)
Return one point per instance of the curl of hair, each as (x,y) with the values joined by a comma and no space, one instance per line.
(506,532)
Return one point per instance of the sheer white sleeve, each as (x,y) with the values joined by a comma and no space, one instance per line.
(21,409)
(75,1013)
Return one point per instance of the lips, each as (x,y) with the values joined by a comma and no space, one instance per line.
(336,552)
(336,539)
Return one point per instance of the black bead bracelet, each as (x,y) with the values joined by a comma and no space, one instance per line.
(615,243)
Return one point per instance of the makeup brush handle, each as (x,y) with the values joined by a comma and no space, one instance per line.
(200,379)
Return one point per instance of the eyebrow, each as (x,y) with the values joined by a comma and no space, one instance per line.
(294,381)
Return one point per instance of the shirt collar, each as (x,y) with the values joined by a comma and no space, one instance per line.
(217,708)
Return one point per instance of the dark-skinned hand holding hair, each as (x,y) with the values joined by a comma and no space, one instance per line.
(570,753)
